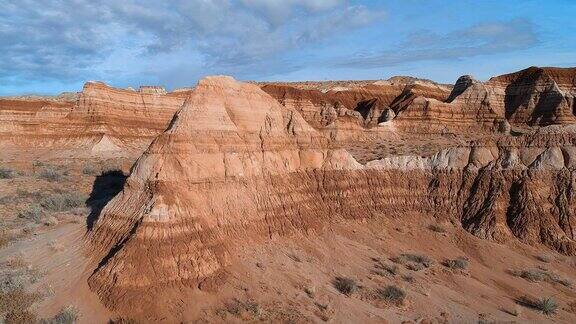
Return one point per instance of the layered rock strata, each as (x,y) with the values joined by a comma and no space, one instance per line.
(538,96)
(359,104)
(99,117)
(235,167)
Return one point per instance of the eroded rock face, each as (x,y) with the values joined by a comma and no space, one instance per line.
(236,167)
(228,169)
(538,96)
(364,102)
(99,117)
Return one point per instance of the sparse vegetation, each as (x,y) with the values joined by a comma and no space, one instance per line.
(5,200)
(5,238)
(392,294)
(536,275)
(310,291)
(437,228)
(460,263)
(241,309)
(345,285)
(414,262)
(391,269)
(17,301)
(37,163)
(6,173)
(20,317)
(90,169)
(547,305)
(545,258)
(408,278)
(16,262)
(32,213)
(63,201)
(25,194)
(52,174)
(68,315)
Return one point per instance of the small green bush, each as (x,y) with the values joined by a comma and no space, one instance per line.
(345,285)
(392,294)
(547,305)
(63,201)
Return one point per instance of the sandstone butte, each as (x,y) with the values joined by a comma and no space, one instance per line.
(242,163)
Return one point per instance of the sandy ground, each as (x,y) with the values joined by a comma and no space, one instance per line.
(292,278)
(57,253)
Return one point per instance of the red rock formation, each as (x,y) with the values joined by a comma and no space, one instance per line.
(538,96)
(471,106)
(98,118)
(364,102)
(228,170)
(235,167)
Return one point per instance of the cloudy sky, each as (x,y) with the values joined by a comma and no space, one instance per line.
(50,46)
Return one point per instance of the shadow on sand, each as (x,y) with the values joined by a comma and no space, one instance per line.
(105,187)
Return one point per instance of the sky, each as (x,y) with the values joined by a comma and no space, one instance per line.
(52,46)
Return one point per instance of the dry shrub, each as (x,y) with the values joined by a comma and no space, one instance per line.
(460,263)
(20,317)
(67,315)
(392,294)
(32,213)
(63,201)
(437,228)
(6,173)
(415,262)
(345,285)
(17,300)
(52,174)
(537,275)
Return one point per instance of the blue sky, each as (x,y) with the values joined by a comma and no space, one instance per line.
(51,46)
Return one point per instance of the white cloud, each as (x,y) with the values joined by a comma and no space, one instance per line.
(78,39)
(481,39)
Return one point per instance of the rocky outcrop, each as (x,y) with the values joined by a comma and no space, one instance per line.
(535,96)
(538,96)
(365,101)
(236,167)
(471,106)
(228,169)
